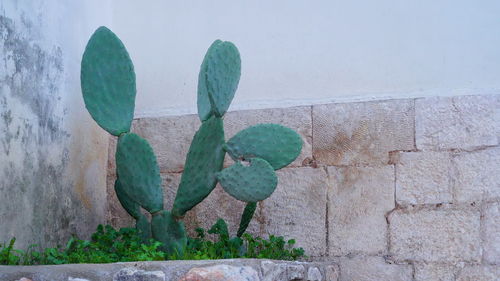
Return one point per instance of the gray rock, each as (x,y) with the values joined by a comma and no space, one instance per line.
(221,272)
(295,271)
(332,273)
(133,274)
(313,274)
(273,271)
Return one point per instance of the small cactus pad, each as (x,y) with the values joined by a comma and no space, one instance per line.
(139,172)
(204,160)
(251,181)
(223,69)
(246,217)
(128,204)
(274,143)
(144,228)
(108,82)
(204,105)
(169,232)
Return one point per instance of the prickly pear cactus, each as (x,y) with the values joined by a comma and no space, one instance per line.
(108,87)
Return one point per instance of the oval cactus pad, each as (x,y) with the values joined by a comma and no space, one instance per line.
(204,160)
(274,143)
(139,172)
(128,204)
(204,105)
(108,82)
(223,69)
(250,183)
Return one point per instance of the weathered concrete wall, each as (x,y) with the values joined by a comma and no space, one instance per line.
(390,190)
(52,155)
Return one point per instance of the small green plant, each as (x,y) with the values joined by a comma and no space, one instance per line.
(109,90)
(109,245)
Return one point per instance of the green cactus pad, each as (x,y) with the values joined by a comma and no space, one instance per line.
(144,228)
(274,143)
(128,204)
(170,232)
(139,172)
(223,69)
(204,105)
(246,217)
(204,160)
(250,183)
(108,82)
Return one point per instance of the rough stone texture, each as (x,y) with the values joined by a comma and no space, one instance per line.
(332,273)
(362,133)
(313,274)
(476,175)
(230,269)
(491,233)
(52,155)
(479,273)
(296,118)
(423,178)
(373,268)
(464,122)
(221,273)
(435,235)
(133,274)
(272,271)
(295,271)
(359,199)
(434,272)
(297,208)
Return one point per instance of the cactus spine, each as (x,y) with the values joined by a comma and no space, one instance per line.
(108,87)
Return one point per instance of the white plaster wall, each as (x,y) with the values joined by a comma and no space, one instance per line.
(304,52)
(53,156)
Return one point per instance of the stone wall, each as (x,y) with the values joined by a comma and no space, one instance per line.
(390,190)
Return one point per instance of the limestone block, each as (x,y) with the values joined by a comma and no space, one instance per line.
(479,273)
(476,175)
(423,178)
(363,132)
(221,272)
(359,198)
(373,268)
(464,122)
(297,208)
(296,118)
(170,138)
(491,233)
(435,235)
(111,155)
(434,272)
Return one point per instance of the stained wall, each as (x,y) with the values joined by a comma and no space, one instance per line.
(52,155)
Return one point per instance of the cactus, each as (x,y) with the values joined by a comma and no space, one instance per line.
(246,217)
(108,88)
